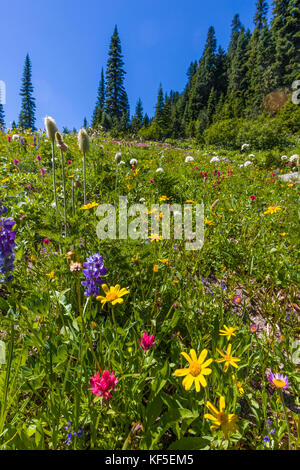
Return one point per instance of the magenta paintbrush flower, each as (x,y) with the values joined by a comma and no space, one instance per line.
(147,342)
(16,162)
(103,386)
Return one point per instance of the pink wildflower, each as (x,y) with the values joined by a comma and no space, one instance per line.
(102,386)
(42,171)
(16,162)
(46,241)
(38,157)
(147,342)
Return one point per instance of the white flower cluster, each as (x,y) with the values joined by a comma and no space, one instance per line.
(189,159)
(245,146)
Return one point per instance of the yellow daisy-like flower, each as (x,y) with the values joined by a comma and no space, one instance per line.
(164,261)
(220,419)
(5,180)
(89,206)
(155,238)
(50,275)
(272,210)
(283,234)
(209,222)
(164,198)
(189,201)
(113,295)
(227,358)
(155,268)
(228,332)
(196,371)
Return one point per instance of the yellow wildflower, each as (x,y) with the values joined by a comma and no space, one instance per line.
(227,358)
(113,295)
(227,422)
(196,371)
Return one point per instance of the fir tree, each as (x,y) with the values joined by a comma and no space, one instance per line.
(159,107)
(205,77)
(116,103)
(27,114)
(285,30)
(138,119)
(85,123)
(100,104)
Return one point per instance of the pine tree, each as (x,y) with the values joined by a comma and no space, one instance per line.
(100,104)
(27,114)
(85,123)
(2,116)
(116,103)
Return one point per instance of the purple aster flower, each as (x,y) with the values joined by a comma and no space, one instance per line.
(268,423)
(94,269)
(279,380)
(267,440)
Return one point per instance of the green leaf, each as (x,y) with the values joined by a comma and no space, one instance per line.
(191,443)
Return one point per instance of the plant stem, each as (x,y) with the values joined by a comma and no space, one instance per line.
(286,418)
(53,173)
(64,190)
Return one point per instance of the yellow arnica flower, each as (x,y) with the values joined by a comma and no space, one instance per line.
(272,210)
(228,332)
(227,422)
(196,371)
(155,238)
(227,358)
(164,198)
(155,268)
(89,206)
(209,222)
(113,295)
(164,261)
(50,275)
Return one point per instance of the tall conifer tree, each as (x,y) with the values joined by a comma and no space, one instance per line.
(27,114)
(116,104)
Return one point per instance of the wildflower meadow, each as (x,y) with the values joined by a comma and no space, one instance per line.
(140,344)
(149,252)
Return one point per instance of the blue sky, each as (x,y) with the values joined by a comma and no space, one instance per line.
(68,42)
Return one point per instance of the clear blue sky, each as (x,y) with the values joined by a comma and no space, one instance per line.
(68,42)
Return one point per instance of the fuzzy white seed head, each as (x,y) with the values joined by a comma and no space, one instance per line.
(51,127)
(83,141)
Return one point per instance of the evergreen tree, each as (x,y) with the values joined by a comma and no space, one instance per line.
(237,79)
(137,121)
(100,104)
(285,30)
(14,125)
(159,118)
(205,77)
(146,120)
(116,103)
(85,123)
(27,114)
(2,117)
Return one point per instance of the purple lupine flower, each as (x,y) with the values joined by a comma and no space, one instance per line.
(3,209)
(94,269)
(7,245)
